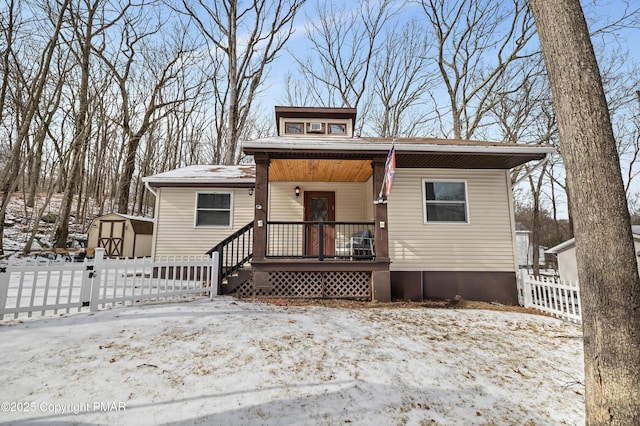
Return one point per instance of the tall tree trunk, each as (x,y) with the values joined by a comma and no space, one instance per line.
(81,132)
(34,170)
(607,268)
(232,141)
(124,185)
(536,192)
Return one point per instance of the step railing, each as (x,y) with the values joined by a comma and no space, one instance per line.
(234,251)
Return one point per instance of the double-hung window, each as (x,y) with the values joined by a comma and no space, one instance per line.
(445,201)
(213,209)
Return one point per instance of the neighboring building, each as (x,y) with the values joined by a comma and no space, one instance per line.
(566,254)
(311,214)
(121,235)
(525,249)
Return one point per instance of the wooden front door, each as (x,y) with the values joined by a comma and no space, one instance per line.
(111,237)
(320,206)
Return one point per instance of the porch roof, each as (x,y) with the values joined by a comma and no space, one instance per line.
(410,152)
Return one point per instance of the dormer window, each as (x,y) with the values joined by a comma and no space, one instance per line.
(315,122)
(337,129)
(293,128)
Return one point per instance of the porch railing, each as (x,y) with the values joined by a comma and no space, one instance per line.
(235,251)
(321,240)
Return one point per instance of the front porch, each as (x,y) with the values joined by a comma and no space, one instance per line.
(312,259)
(325,258)
(307,259)
(319,228)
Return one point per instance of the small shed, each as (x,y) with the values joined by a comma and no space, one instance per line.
(524,249)
(121,235)
(566,252)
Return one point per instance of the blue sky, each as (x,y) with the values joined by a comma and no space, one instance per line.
(598,13)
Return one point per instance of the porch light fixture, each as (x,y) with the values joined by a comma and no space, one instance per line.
(297,190)
(251,191)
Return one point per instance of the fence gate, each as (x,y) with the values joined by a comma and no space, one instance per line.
(65,287)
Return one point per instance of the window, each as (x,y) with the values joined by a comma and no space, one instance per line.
(445,201)
(213,209)
(337,129)
(293,127)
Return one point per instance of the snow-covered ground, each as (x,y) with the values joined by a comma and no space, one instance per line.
(230,362)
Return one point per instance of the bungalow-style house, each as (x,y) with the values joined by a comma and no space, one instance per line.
(311,218)
(566,255)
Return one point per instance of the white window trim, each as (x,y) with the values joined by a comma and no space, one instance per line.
(195,210)
(466,202)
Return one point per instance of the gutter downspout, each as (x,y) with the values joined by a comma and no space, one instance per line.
(146,185)
(533,169)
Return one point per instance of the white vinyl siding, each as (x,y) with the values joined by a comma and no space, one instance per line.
(486,243)
(567,265)
(350,203)
(369,199)
(350,200)
(174,221)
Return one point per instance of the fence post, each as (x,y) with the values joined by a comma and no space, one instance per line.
(526,289)
(95,275)
(520,287)
(5,275)
(85,288)
(215,274)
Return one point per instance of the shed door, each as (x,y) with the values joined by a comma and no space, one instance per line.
(319,207)
(111,237)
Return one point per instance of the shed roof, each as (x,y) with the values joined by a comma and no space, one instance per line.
(570,243)
(139,224)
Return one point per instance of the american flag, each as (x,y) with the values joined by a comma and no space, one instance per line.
(390,169)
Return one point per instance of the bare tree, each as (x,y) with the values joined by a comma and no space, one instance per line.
(523,114)
(244,38)
(9,173)
(88,24)
(402,78)
(345,41)
(607,267)
(141,88)
(478,43)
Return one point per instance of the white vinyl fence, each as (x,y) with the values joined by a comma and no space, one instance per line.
(549,294)
(47,287)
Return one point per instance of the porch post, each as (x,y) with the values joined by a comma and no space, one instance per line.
(380,280)
(261,193)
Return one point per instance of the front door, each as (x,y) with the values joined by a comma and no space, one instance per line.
(111,237)
(319,206)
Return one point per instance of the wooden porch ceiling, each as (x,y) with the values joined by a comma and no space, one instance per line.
(319,170)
